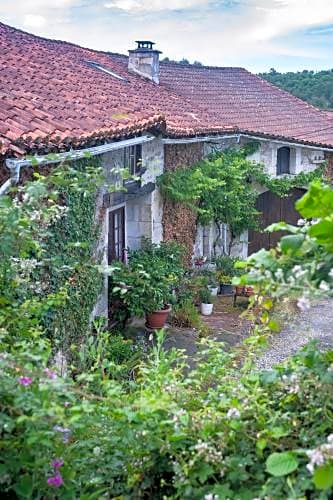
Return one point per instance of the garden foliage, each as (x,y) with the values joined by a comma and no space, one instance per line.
(221,189)
(222,430)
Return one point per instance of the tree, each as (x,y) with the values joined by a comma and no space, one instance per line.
(314,87)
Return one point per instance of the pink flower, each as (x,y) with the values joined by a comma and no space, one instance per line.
(50,374)
(57,463)
(25,381)
(55,480)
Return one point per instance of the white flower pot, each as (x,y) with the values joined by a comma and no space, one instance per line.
(213,290)
(206,309)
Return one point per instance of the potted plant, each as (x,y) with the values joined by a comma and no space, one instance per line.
(145,285)
(206,300)
(199,261)
(248,291)
(213,286)
(226,288)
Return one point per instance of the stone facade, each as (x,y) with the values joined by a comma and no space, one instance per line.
(148,215)
(302,159)
(143,212)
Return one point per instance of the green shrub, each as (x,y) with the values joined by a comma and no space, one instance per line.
(205,296)
(216,430)
(186,315)
(146,283)
(226,264)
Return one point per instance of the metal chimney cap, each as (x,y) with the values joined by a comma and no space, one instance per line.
(145,44)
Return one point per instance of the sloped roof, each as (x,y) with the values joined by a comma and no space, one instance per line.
(51,96)
(328,113)
(246,101)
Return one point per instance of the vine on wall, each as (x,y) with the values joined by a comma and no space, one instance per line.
(220,188)
(71,259)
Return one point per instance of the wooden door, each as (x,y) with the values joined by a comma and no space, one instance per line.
(116,237)
(273,209)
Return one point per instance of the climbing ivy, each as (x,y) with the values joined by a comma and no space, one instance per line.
(221,188)
(70,251)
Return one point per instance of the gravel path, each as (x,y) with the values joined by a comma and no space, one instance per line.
(317,323)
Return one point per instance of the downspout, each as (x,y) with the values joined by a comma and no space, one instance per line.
(15,164)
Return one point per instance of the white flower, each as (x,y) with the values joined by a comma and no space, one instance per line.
(279,274)
(303,304)
(301,222)
(211,496)
(331,273)
(233,413)
(324,286)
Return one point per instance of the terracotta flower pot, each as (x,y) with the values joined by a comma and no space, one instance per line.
(249,291)
(157,319)
(240,290)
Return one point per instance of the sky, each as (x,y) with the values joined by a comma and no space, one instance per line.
(287,35)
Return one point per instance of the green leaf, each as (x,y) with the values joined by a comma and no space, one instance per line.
(323,232)
(323,477)
(281,226)
(317,202)
(281,464)
(24,487)
(291,243)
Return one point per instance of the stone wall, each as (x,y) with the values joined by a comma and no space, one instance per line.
(302,159)
(153,161)
(179,222)
(143,214)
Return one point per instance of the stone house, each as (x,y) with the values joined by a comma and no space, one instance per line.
(148,116)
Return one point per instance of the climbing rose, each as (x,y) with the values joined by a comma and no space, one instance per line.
(25,381)
(55,480)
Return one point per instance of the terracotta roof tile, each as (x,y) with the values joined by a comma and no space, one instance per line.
(241,99)
(51,97)
(48,89)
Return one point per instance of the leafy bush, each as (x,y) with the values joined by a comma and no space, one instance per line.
(205,296)
(145,284)
(220,189)
(186,315)
(302,262)
(222,430)
(226,264)
(217,430)
(107,352)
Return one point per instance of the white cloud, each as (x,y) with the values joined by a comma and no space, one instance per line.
(154,5)
(217,32)
(34,20)
(283,17)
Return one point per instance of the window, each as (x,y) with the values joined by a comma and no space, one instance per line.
(132,159)
(283,161)
(116,241)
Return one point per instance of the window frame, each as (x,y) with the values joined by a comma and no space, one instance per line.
(132,159)
(281,167)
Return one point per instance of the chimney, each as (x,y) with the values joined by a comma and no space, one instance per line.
(144,60)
